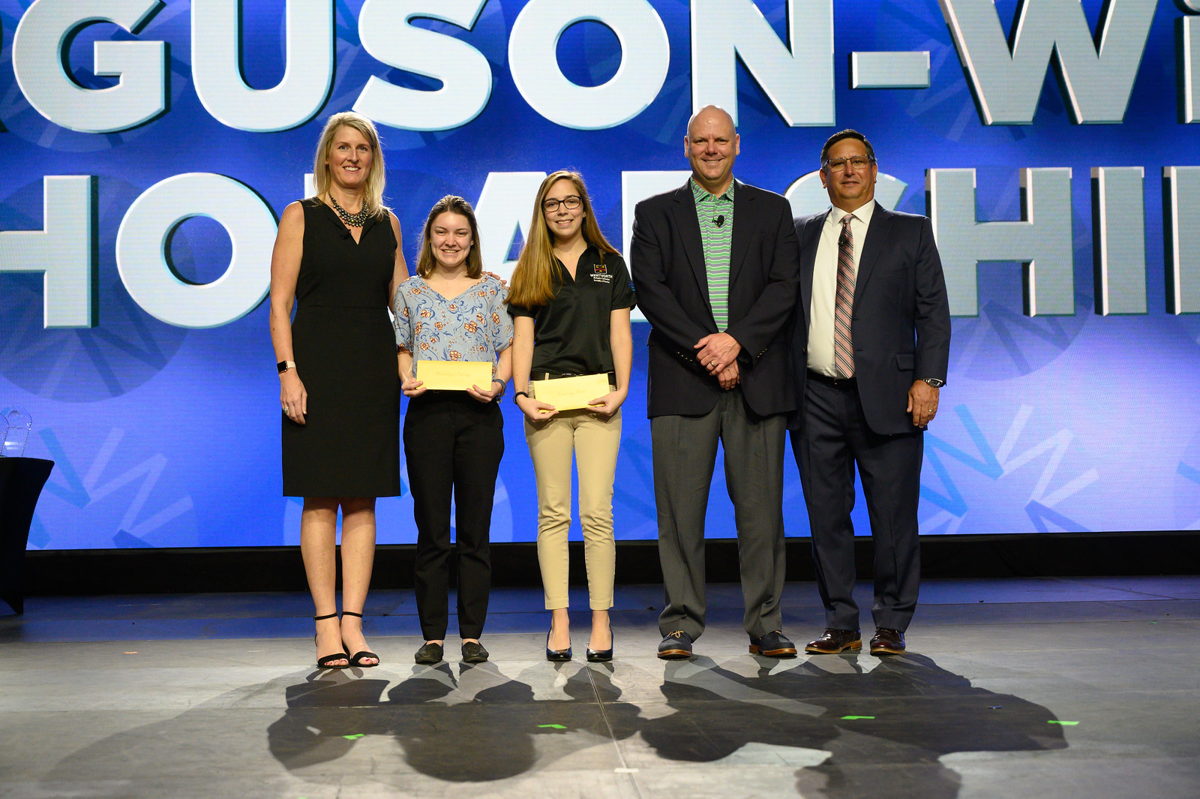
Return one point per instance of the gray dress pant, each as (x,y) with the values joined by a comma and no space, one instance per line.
(685,450)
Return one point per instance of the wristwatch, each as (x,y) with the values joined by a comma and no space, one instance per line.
(283,366)
(519,394)
(933,381)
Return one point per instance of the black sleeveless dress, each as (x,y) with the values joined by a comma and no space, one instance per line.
(345,353)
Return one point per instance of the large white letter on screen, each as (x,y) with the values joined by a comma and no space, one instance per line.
(1119,239)
(638,186)
(38,44)
(504,209)
(798,81)
(217,52)
(464,72)
(1041,240)
(62,250)
(1008,83)
(142,241)
(807,196)
(635,187)
(533,59)
(1189,51)
(1181,186)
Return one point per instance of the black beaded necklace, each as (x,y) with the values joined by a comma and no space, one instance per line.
(353,220)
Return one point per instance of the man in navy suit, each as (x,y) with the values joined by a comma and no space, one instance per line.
(716,267)
(871,340)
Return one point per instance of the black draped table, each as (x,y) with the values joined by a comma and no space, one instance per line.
(21,481)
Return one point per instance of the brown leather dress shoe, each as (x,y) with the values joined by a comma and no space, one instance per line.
(835,641)
(886,641)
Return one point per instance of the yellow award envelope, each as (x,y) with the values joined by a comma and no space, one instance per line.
(569,393)
(454,375)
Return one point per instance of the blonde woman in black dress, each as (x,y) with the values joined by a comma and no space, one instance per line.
(338,260)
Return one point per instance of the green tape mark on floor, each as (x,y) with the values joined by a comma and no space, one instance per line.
(552,726)
(856,718)
(354,737)
(1063,723)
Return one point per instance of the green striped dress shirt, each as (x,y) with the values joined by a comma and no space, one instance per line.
(717,240)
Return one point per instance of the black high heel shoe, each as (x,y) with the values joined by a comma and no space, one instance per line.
(556,655)
(326,662)
(357,658)
(602,655)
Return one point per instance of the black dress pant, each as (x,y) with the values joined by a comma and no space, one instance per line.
(834,440)
(452,445)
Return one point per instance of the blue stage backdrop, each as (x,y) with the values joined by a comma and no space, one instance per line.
(147,149)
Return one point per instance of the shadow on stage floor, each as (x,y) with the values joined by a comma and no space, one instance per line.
(1084,687)
(450,724)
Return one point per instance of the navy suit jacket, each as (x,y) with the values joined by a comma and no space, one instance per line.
(901,319)
(667,262)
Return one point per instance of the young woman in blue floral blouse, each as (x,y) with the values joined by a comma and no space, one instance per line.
(453,440)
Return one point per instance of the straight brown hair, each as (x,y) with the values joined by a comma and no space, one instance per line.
(454,204)
(535,281)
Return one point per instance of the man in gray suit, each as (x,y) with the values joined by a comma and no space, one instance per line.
(715,263)
(871,341)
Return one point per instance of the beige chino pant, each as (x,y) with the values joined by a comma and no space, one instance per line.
(594,442)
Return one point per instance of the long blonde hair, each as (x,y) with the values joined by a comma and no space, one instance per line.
(535,280)
(453,204)
(376,177)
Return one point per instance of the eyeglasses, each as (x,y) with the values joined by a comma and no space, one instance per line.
(839,164)
(571,202)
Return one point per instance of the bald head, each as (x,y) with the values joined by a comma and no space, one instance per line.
(712,145)
(716,113)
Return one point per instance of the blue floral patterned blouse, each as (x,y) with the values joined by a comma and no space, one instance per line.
(473,326)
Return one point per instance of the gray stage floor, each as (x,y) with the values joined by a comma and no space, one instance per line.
(1040,688)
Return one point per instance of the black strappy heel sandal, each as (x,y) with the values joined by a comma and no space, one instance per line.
(327,662)
(357,658)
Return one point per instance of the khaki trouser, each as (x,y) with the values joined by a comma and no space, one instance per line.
(594,442)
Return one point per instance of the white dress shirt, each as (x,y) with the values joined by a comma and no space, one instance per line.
(824,285)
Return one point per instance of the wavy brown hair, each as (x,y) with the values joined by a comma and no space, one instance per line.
(453,204)
(376,177)
(535,280)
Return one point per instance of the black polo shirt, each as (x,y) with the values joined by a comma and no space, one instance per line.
(571,332)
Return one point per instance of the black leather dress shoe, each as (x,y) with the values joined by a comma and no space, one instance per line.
(887,641)
(675,645)
(834,641)
(773,645)
(602,655)
(557,655)
(429,654)
(473,652)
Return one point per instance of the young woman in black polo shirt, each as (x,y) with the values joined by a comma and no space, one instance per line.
(570,301)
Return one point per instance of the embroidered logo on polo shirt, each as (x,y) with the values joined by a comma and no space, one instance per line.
(600,274)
